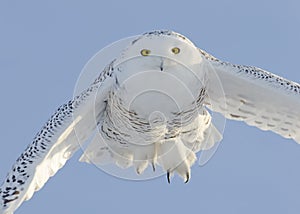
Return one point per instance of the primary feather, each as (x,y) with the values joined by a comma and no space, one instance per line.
(255,96)
(53,145)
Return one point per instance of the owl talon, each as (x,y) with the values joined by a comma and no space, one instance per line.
(168,177)
(187,177)
(153,167)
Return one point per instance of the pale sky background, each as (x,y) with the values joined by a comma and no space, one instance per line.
(44,46)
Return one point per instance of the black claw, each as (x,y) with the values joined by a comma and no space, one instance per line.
(153,167)
(187,177)
(168,177)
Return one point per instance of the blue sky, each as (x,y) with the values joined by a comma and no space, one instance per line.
(44,46)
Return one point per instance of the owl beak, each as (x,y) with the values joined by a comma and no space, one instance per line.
(161,65)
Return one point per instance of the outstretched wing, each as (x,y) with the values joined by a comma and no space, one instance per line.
(254,96)
(55,144)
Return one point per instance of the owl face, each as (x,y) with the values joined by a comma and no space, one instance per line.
(163,61)
(161,49)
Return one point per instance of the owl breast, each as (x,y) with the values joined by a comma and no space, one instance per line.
(152,117)
(160,137)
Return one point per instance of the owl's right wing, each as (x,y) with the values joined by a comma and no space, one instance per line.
(57,141)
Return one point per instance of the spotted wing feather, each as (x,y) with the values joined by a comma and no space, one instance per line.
(255,96)
(57,141)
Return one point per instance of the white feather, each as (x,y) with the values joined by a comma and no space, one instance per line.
(53,146)
(256,97)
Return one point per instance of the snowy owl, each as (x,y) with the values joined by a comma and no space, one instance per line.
(151,108)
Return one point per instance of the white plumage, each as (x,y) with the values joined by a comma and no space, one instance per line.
(149,107)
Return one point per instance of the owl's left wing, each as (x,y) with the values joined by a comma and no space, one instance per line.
(254,96)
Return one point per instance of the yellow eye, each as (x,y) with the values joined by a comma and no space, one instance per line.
(145,52)
(175,50)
